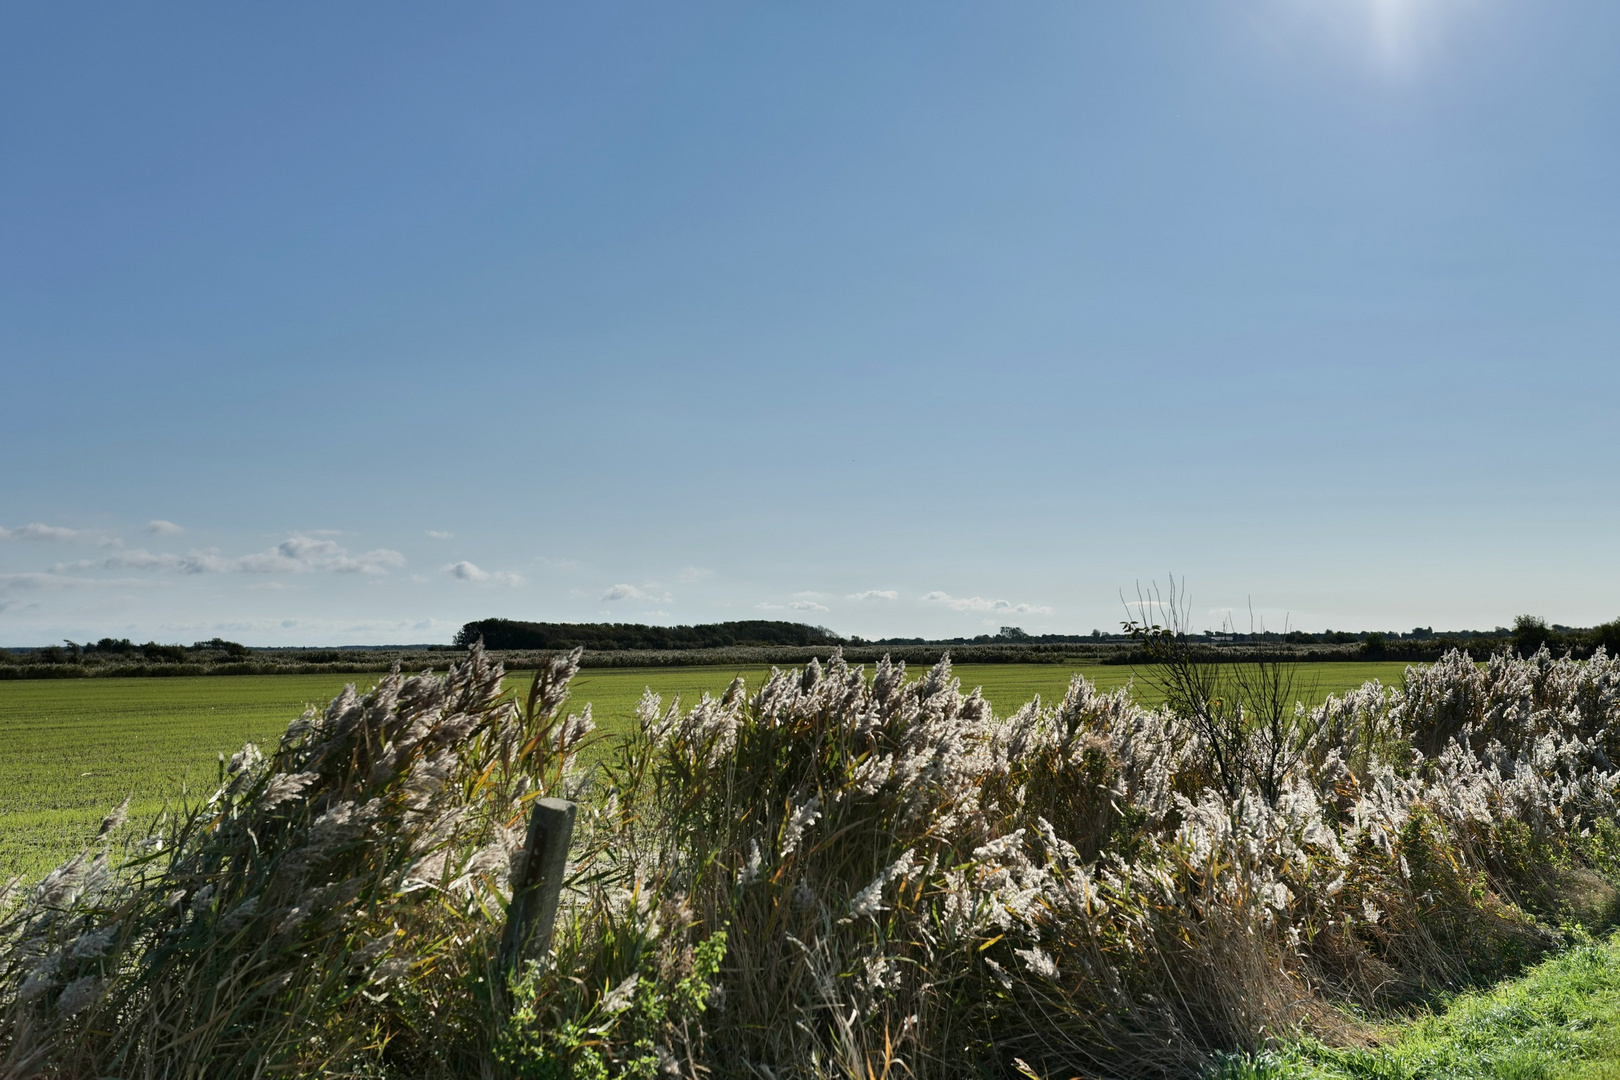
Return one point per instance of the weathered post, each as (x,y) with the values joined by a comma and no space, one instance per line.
(537,881)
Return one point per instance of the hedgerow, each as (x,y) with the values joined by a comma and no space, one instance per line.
(838,873)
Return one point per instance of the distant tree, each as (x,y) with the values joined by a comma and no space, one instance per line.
(1373,644)
(1607,635)
(1012,633)
(1530,634)
(233,649)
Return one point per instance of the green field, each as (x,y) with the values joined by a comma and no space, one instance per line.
(71,749)
(1560,1021)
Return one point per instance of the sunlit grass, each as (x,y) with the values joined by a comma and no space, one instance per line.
(1561,1021)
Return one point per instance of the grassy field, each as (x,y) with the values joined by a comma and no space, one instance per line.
(72,749)
(1561,1021)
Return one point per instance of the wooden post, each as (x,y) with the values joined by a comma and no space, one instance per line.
(537,878)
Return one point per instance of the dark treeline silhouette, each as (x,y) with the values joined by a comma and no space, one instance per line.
(523,644)
(511,634)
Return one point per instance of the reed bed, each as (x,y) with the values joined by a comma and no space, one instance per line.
(837,873)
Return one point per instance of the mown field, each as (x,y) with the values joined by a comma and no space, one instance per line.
(72,749)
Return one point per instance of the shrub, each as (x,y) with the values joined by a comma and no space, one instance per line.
(1530,635)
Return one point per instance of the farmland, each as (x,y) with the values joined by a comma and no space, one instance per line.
(71,749)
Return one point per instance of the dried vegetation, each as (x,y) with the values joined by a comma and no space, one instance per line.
(839,873)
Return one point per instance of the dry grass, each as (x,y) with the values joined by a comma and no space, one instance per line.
(836,874)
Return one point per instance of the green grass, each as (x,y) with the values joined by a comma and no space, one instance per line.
(1561,1021)
(71,749)
(613,692)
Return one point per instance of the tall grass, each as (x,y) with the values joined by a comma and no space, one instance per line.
(839,873)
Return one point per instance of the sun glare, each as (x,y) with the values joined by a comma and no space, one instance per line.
(1394,36)
(1394,31)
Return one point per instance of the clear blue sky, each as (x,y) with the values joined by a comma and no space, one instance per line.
(900,318)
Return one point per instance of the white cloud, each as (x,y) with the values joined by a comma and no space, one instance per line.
(692,574)
(58,534)
(875,594)
(139,559)
(65,581)
(655,614)
(466,571)
(797,605)
(301,554)
(630,592)
(979,603)
(163,528)
(297,554)
(436,534)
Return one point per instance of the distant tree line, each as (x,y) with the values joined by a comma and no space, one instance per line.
(121,658)
(523,644)
(123,649)
(512,634)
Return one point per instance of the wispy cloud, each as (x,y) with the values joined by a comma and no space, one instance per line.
(303,554)
(629,592)
(295,555)
(796,605)
(875,594)
(466,571)
(139,559)
(979,603)
(163,528)
(437,534)
(58,534)
(68,581)
(692,574)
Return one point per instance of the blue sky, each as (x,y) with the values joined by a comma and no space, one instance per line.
(349,323)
